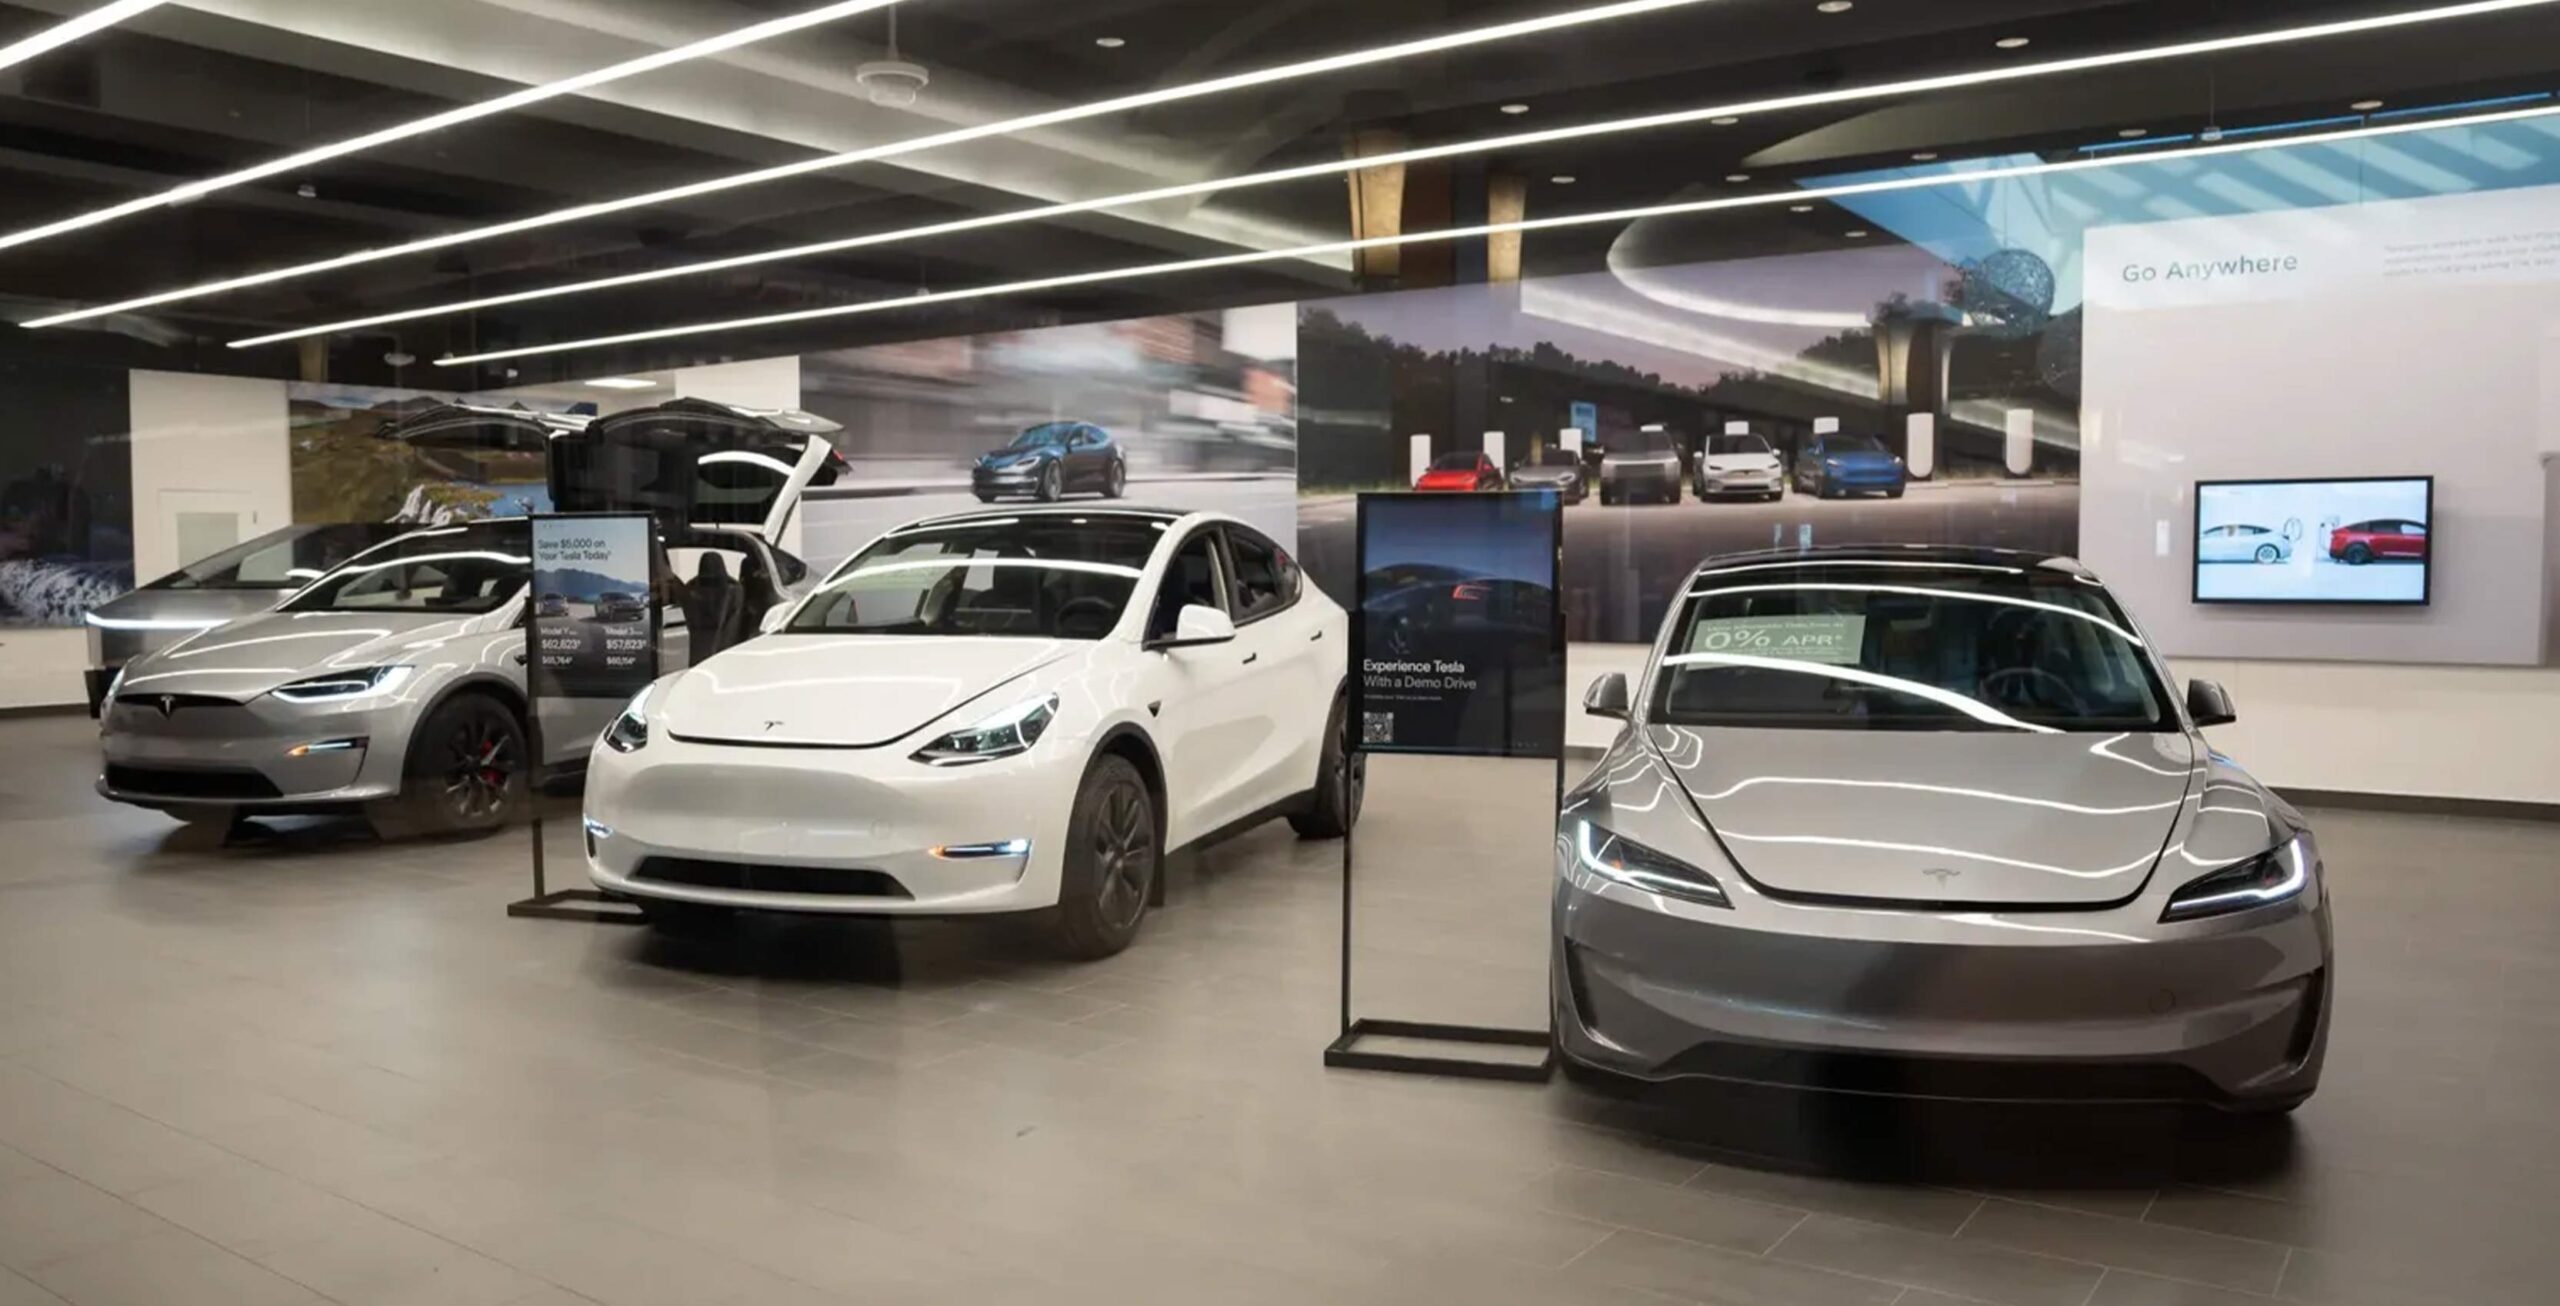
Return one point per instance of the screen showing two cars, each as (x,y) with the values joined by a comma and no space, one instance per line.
(2362,540)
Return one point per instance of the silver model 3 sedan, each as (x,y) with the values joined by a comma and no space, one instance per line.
(1931,822)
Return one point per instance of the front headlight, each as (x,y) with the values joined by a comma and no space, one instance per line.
(340,686)
(629,732)
(1013,730)
(2272,876)
(1614,857)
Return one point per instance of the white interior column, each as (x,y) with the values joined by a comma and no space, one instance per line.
(2020,449)
(1920,443)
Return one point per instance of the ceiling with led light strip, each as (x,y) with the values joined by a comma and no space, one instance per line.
(180,92)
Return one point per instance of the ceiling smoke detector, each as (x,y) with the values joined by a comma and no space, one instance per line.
(891,83)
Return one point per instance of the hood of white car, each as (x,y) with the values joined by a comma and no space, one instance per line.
(1742,462)
(249,657)
(847,691)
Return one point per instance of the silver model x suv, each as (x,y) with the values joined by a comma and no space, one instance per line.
(1932,822)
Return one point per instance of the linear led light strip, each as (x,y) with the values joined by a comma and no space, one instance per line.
(437,122)
(1010,126)
(1521,140)
(72,29)
(1966,178)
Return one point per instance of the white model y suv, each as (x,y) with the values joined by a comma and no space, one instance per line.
(993,712)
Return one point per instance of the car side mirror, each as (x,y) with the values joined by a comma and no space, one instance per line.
(2209,704)
(1198,624)
(773,618)
(1607,696)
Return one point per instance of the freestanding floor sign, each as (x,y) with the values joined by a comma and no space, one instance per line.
(1458,650)
(591,643)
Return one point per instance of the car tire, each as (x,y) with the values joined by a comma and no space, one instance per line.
(1112,858)
(466,772)
(2358,554)
(1607,500)
(984,497)
(1052,485)
(1115,482)
(1822,488)
(2269,555)
(1894,493)
(1342,780)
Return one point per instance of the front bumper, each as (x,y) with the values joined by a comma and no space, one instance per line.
(1009,480)
(827,830)
(1859,479)
(242,753)
(1641,480)
(2016,1006)
(1762,482)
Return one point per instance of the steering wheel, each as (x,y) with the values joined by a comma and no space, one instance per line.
(2041,679)
(1100,608)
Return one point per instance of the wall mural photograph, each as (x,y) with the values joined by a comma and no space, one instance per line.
(1721,407)
(66,492)
(374,453)
(1193,411)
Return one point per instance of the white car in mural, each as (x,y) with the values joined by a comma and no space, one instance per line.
(2241,542)
(991,712)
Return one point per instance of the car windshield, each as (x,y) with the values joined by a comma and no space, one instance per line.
(456,569)
(1905,645)
(280,560)
(1047,433)
(1733,444)
(1455,462)
(1048,576)
(1640,443)
(1553,457)
(1852,444)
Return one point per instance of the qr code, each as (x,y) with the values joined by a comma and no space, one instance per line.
(1377,727)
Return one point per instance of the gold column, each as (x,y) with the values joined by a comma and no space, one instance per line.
(1506,199)
(1377,203)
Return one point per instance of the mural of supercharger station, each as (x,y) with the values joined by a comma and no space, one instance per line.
(2020,448)
(1920,444)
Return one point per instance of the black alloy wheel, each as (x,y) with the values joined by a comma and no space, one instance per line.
(1051,484)
(2359,553)
(1111,864)
(1342,780)
(1115,482)
(467,769)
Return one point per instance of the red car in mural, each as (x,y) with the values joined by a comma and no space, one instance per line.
(2358,543)
(1460,472)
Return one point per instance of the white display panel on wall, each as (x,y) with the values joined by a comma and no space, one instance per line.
(2398,338)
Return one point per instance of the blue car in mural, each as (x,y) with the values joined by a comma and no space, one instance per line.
(1836,464)
(1051,460)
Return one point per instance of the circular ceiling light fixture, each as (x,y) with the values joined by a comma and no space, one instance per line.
(891,83)
(1856,233)
(1835,6)
(399,358)
(2131,133)
(1737,178)
(2365,106)
(2012,42)
(1925,156)
(1726,121)
(1110,42)
(1562,179)
(1799,208)
(1515,108)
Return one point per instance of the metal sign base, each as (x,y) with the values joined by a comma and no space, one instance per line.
(1341,1051)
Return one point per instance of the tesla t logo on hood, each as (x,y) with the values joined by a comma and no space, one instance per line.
(1942,874)
(769,725)
(168,704)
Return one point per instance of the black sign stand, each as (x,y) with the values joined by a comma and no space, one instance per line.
(1344,1050)
(548,903)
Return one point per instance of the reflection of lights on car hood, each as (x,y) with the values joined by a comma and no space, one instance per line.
(154,623)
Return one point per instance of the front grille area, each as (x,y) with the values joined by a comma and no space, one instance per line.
(175,703)
(186,782)
(754,877)
(2017,1081)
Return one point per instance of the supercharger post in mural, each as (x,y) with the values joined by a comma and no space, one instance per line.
(1191,411)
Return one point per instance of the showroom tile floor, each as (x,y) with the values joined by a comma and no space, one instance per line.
(321,1069)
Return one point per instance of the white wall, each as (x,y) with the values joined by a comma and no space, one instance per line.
(2440,732)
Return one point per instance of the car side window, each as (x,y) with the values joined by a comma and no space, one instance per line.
(1193,576)
(1265,578)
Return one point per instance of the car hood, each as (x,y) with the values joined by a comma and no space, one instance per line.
(1743,462)
(1011,457)
(2005,818)
(1860,458)
(846,691)
(173,610)
(1544,476)
(249,657)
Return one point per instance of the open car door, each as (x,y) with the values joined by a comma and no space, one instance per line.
(692,462)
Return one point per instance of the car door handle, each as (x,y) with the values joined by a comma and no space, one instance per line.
(1315,636)
(1251,658)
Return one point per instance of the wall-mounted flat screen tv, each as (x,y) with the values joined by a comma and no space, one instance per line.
(2349,540)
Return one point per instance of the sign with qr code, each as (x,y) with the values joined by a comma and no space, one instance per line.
(1461,646)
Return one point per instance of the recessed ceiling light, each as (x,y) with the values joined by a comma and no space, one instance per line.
(1725,121)
(1925,156)
(1562,179)
(1737,178)
(2131,132)
(1799,208)
(1515,108)
(623,383)
(1856,233)
(1110,42)
(2012,43)
(2365,106)
(1835,6)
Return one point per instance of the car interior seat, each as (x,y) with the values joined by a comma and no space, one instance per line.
(715,607)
